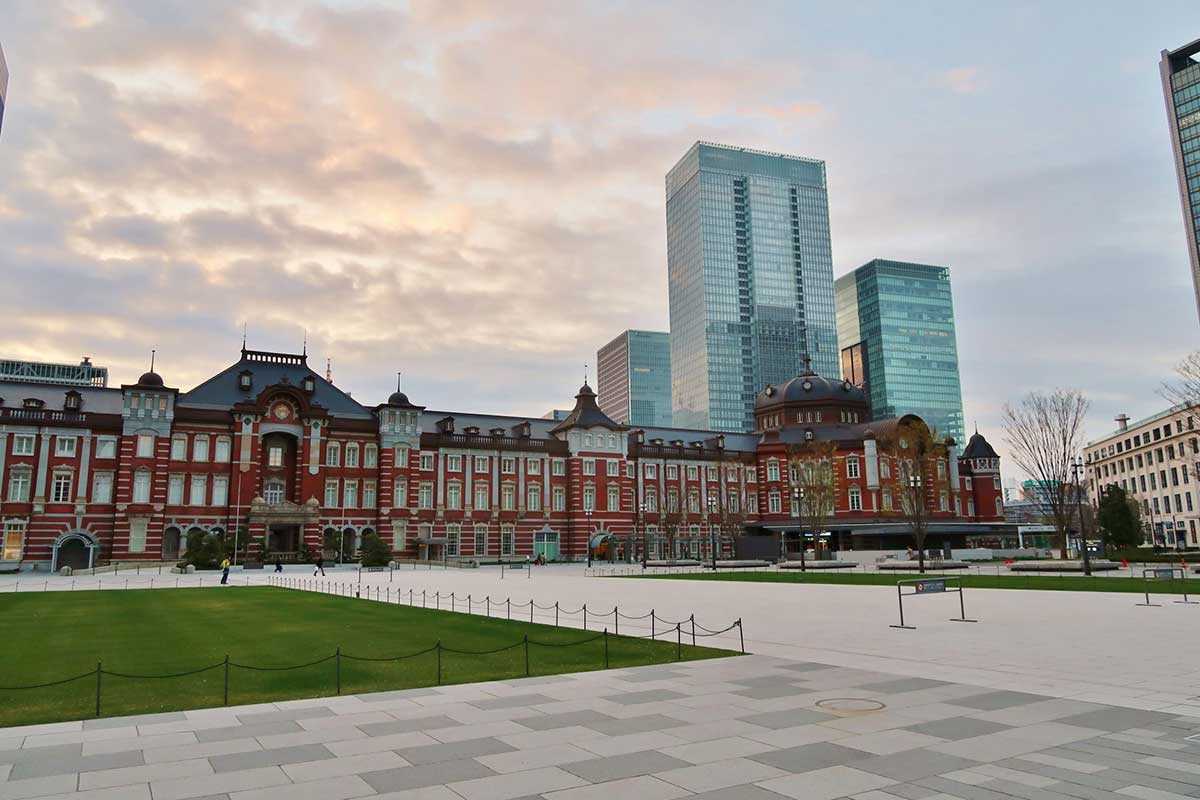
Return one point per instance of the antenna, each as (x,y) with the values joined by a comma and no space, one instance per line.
(243,335)
(398,374)
(152,361)
(305,350)
(329,370)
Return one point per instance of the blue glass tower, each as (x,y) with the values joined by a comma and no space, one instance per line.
(896,327)
(750,274)
(1180,71)
(633,374)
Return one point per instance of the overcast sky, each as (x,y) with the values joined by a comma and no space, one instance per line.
(473,192)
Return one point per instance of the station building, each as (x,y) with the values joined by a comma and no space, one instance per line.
(270,452)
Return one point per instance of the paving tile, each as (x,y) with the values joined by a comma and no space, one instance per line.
(347,765)
(648,696)
(514,701)
(787,719)
(720,774)
(137,743)
(64,764)
(1063,763)
(139,791)
(805,666)
(568,735)
(883,743)
(122,776)
(992,701)
(435,753)
(1146,793)
(534,758)
(911,791)
(462,733)
(143,719)
(743,792)
(517,784)
(717,729)
(36,787)
(247,731)
(991,747)
(808,757)
(955,728)
(797,736)
(716,749)
(423,793)
(630,743)
(406,725)
(233,762)
(826,784)
(910,766)
(261,717)
(771,692)
(900,685)
(201,750)
(399,694)
(644,786)
(548,721)
(392,780)
(629,765)
(1115,719)
(340,788)
(180,788)
(620,727)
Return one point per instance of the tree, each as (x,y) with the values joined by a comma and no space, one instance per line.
(811,473)
(375,553)
(1119,518)
(204,550)
(1044,433)
(914,445)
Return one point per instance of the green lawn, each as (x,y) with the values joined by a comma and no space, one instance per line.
(55,635)
(1070,583)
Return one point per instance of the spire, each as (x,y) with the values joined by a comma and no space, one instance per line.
(152,352)
(585,373)
(977,426)
(243,337)
(398,375)
(807,364)
(304,352)
(329,370)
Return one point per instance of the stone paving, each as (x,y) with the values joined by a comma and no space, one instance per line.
(754,728)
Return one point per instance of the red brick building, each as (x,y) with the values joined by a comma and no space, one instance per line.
(269,450)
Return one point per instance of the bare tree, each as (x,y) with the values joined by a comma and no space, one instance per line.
(1184,396)
(915,447)
(672,522)
(1044,434)
(812,476)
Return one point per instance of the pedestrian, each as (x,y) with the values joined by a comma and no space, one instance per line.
(320,567)
(225,571)
(278,564)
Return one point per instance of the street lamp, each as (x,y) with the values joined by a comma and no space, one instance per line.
(642,517)
(712,533)
(917,502)
(798,512)
(1077,470)
(587,513)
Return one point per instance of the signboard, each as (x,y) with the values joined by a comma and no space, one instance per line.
(1164,573)
(928,587)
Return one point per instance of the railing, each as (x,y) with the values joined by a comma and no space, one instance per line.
(487,442)
(42,415)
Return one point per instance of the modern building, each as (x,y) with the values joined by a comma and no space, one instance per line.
(896,329)
(1180,71)
(750,274)
(3,86)
(633,378)
(1153,459)
(269,451)
(557,414)
(82,374)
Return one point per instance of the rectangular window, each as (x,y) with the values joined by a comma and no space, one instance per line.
(731,502)
(559,498)
(400,493)
(693,502)
(199,485)
(508,497)
(481,463)
(141,486)
(399,534)
(887,500)
(370,457)
(220,490)
(400,459)
(368,494)
(507,540)
(453,535)
(14,541)
(175,490)
(221,453)
(614,498)
(589,498)
(589,466)
(481,532)
(533,498)
(852,467)
(453,463)
(145,445)
(651,501)
(425,496)
(941,470)
(558,467)
(693,472)
(65,446)
(533,466)
(200,449)
(772,470)
(60,489)
(613,468)
(731,474)
(333,454)
(137,535)
(352,454)
(102,483)
(508,465)
(178,448)
(274,455)
(751,474)
(944,502)
(350,494)
(774,506)
(855,500)
(23,444)
(331,493)
(672,472)
(454,496)
(426,462)
(481,497)
(710,473)
(650,470)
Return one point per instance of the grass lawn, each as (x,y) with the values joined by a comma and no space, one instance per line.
(1071,583)
(54,635)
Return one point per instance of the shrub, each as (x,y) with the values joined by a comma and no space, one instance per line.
(374,552)
(204,551)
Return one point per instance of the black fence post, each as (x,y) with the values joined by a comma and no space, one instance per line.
(508,602)
(468,605)
(488,604)
(439,662)
(741,636)
(452,599)
(226,679)
(337,658)
(693,619)
(556,613)
(531,609)
(98,671)
(616,621)
(652,634)
(606,648)
(526,655)
(585,616)
(678,642)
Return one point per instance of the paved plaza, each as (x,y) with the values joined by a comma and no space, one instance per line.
(1051,695)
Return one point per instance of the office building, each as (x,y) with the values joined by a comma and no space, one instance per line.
(3,86)
(750,275)
(896,329)
(82,374)
(1180,71)
(633,376)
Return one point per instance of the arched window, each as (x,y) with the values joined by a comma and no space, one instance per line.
(273,492)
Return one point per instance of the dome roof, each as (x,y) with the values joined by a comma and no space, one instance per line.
(978,447)
(150,379)
(810,388)
(398,399)
(587,413)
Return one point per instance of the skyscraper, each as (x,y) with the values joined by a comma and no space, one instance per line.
(750,274)
(896,327)
(1180,71)
(3,86)
(633,374)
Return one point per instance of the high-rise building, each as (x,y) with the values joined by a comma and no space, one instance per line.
(3,85)
(633,374)
(750,273)
(1181,87)
(896,327)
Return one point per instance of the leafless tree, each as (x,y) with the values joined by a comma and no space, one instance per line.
(916,448)
(672,522)
(1184,395)
(1044,434)
(811,472)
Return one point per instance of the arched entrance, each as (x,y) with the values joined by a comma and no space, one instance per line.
(172,539)
(75,549)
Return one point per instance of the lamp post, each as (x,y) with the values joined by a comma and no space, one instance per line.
(587,513)
(918,512)
(798,512)
(1077,470)
(642,517)
(712,533)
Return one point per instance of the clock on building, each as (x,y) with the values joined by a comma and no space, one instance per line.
(281,410)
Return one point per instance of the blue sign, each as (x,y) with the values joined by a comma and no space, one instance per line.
(927,587)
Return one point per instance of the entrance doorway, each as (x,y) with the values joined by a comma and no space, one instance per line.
(170,546)
(284,539)
(545,543)
(73,553)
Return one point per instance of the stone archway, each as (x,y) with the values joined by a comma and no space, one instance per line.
(74,549)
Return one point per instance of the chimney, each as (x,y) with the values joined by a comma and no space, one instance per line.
(1122,422)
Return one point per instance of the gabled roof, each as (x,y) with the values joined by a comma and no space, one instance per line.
(222,391)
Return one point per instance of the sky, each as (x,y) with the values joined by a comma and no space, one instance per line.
(472,193)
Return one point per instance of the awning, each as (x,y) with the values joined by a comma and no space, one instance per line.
(600,538)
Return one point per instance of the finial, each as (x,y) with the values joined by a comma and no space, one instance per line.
(807,364)
(243,335)
(585,372)
(152,360)
(976,426)
(305,350)
(329,370)
(398,375)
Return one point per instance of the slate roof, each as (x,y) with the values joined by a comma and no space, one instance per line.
(95,399)
(587,413)
(733,441)
(538,428)
(978,447)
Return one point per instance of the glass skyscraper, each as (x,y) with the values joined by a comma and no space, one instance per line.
(750,273)
(896,327)
(633,378)
(1181,86)
(3,86)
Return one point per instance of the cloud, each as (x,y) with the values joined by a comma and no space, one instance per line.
(962,80)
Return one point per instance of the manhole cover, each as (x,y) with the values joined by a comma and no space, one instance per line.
(850,705)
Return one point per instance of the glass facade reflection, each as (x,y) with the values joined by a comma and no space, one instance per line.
(633,378)
(896,327)
(750,274)
(3,86)
(1180,71)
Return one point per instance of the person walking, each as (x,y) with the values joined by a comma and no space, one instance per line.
(320,567)
(225,571)
(278,564)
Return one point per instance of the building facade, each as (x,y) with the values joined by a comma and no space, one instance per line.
(3,86)
(750,275)
(633,378)
(1180,70)
(1156,461)
(896,329)
(269,452)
